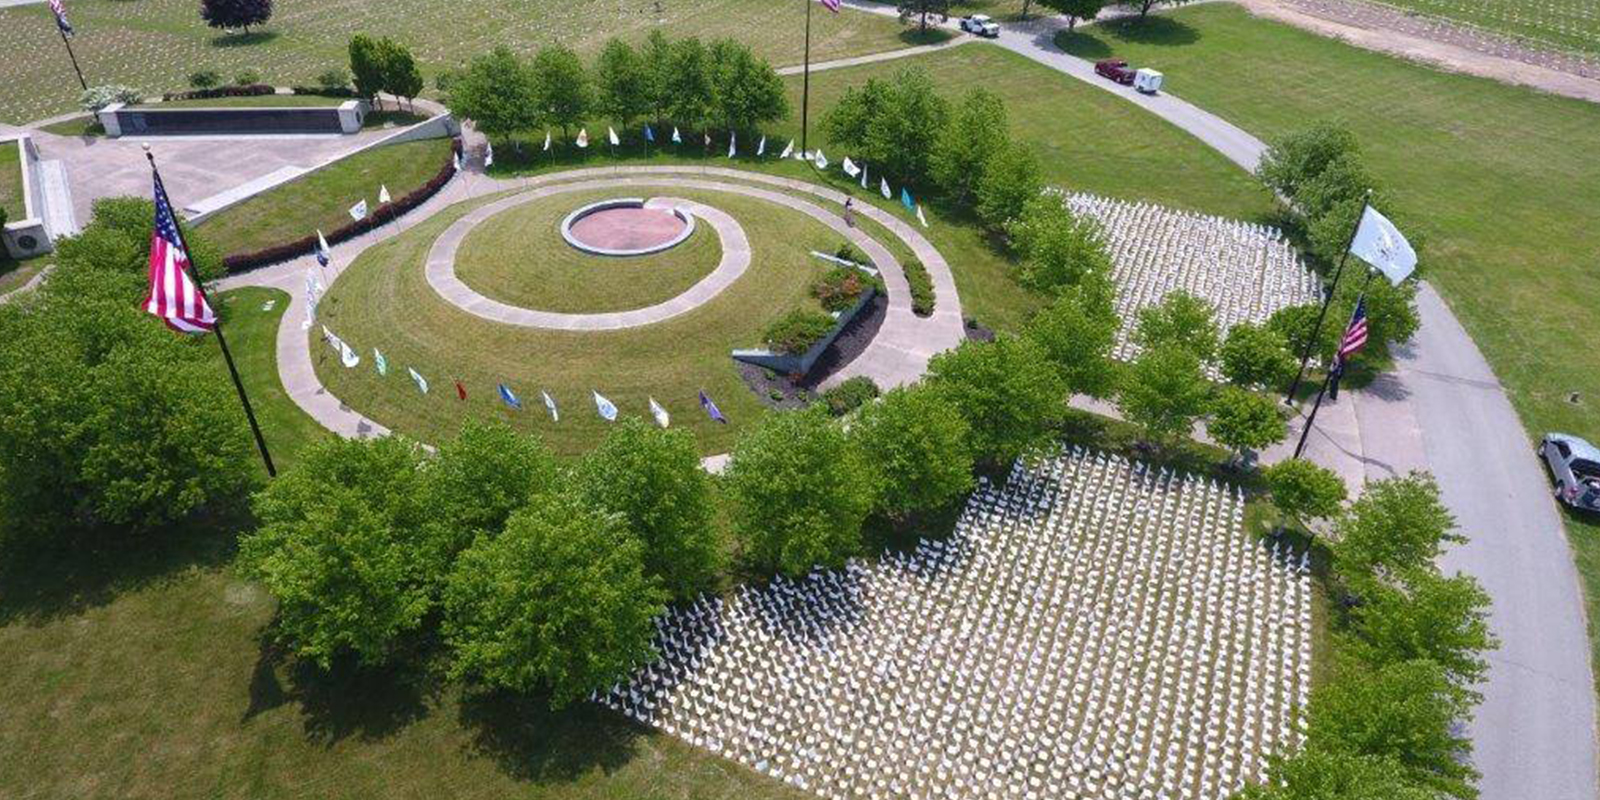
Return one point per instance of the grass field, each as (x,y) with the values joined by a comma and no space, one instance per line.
(383,301)
(1559,24)
(252,330)
(321,200)
(518,257)
(153,45)
(11,201)
(1501,182)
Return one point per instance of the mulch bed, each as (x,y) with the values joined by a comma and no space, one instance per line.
(851,342)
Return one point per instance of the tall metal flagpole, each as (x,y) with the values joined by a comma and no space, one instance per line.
(1332,373)
(1316,330)
(68,42)
(244,399)
(805,82)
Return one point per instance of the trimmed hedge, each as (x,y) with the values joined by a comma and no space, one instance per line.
(251,90)
(921,287)
(345,92)
(244,262)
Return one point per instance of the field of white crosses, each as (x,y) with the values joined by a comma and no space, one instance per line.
(153,45)
(1095,629)
(1572,25)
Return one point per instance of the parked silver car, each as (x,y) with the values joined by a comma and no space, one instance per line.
(1575,465)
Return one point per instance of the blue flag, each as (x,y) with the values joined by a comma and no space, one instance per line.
(905,200)
(607,409)
(649,135)
(711,408)
(511,399)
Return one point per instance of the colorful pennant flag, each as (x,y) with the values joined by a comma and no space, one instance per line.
(832,5)
(422,383)
(676,139)
(583,137)
(547,141)
(761,148)
(324,253)
(358,211)
(850,167)
(61,17)
(905,200)
(380,362)
(662,417)
(733,144)
(711,408)
(920,218)
(649,135)
(611,135)
(607,409)
(883,186)
(461,391)
(821,160)
(510,397)
(550,403)
(488,154)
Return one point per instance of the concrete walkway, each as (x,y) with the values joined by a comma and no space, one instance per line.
(1443,410)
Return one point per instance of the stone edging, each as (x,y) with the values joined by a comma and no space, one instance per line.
(678,211)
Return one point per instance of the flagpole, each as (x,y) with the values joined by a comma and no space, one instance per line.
(1332,373)
(68,42)
(805,82)
(194,275)
(1316,330)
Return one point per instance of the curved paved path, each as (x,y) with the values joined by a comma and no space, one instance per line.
(440,268)
(1442,409)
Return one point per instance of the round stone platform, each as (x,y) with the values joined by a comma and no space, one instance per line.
(627,227)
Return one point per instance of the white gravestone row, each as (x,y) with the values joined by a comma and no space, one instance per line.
(1094,629)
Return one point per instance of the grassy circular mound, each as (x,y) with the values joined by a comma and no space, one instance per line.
(383,301)
(519,258)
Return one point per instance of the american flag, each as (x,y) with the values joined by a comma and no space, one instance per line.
(61,17)
(174,297)
(833,5)
(1355,336)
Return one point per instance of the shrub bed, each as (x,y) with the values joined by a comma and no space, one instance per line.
(921,287)
(243,262)
(850,395)
(841,287)
(251,90)
(797,331)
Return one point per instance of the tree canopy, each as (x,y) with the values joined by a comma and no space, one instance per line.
(1305,491)
(1257,357)
(1164,392)
(558,601)
(498,93)
(1077,332)
(1011,177)
(891,124)
(1424,615)
(1244,421)
(747,90)
(652,478)
(622,83)
(1396,524)
(235,13)
(476,480)
(916,444)
(1075,10)
(961,149)
(1008,391)
(561,89)
(800,492)
(1058,248)
(1180,320)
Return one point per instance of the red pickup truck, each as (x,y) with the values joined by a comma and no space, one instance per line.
(1115,69)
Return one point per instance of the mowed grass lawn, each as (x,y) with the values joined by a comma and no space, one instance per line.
(11,201)
(383,301)
(519,257)
(153,45)
(321,200)
(1502,182)
(250,318)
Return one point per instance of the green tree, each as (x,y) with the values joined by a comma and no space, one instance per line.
(497,92)
(977,128)
(1058,247)
(480,477)
(878,119)
(118,240)
(917,443)
(1397,524)
(656,64)
(366,65)
(1181,320)
(1343,181)
(652,478)
(1244,421)
(1164,392)
(1303,155)
(561,88)
(559,600)
(1304,491)
(1295,323)
(228,14)
(921,10)
(1424,615)
(1313,774)
(1008,391)
(1075,10)
(746,90)
(622,83)
(689,90)
(1144,6)
(1257,357)
(1077,331)
(800,492)
(1011,177)
(1406,712)
(343,546)
(401,77)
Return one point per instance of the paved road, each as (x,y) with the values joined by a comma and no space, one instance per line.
(1443,410)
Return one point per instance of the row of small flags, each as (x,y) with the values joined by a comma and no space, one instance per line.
(350,359)
(817,158)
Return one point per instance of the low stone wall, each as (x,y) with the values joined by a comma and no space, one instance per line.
(28,236)
(121,120)
(787,364)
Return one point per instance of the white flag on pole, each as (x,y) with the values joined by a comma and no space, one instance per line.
(920,218)
(422,383)
(787,150)
(883,186)
(380,362)
(708,138)
(324,253)
(547,141)
(1379,243)
(458,161)
(550,403)
(611,134)
(348,356)
(761,149)
(733,139)
(662,418)
(359,210)
(383,194)
(863,176)
(676,139)
(488,154)
(583,137)
(850,167)
(822,160)
(607,409)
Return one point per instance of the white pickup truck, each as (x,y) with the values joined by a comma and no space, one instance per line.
(981,25)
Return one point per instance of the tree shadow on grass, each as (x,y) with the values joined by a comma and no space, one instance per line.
(531,742)
(1153,30)
(915,36)
(243,39)
(346,700)
(78,572)
(1082,44)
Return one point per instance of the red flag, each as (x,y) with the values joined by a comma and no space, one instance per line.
(461,391)
(173,297)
